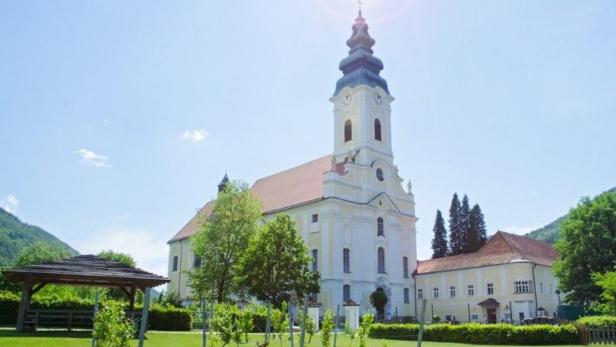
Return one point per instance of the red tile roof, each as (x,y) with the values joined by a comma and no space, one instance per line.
(299,185)
(502,248)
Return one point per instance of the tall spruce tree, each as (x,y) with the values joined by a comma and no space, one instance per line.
(473,231)
(483,231)
(456,240)
(439,243)
(465,225)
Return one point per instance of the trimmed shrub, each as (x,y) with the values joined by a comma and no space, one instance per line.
(169,318)
(598,321)
(475,333)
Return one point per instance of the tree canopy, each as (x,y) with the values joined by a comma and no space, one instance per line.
(456,236)
(439,242)
(121,258)
(587,245)
(276,263)
(221,239)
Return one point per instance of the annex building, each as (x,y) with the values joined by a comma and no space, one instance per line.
(508,279)
(356,215)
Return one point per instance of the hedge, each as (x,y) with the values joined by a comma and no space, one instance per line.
(598,321)
(159,318)
(475,333)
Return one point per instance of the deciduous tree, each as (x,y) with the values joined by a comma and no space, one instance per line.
(587,245)
(221,239)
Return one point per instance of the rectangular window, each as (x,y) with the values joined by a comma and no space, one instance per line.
(419,294)
(346,293)
(405,267)
(471,290)
(175,263)
(490,289)
(541,287)
(475,317)
(197,262)
(346,260)
(435,293)
(406,295)
(315,260)
(452,292)
(522,287)
(315,218)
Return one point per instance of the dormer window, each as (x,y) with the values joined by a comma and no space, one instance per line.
(348,130)
(377,129)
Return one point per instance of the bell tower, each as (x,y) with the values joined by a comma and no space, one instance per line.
(362,113)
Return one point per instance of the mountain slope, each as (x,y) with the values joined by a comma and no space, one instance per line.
(551,232)
(16,235)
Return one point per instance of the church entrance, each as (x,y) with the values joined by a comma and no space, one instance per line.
(491,315)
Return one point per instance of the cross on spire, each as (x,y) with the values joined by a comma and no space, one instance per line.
(359,5)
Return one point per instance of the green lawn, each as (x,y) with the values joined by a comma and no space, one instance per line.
(8,337)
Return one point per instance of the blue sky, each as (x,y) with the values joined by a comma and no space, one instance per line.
(118,119)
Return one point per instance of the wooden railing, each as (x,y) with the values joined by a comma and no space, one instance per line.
(597,335)
(68,319)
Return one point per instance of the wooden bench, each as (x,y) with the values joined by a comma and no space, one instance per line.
(68,319)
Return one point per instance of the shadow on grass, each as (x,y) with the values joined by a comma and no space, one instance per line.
(47,334)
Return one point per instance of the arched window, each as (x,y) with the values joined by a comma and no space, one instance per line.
(346,260)
(377,129)
(175,263)
(348,130)
(346,293)
(380,227)
(381,260)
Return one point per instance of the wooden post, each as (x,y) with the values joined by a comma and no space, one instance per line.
(94,317)
(335,324)
(267,322)
(422,320)
(24,304)
(291,323)
(204,319)
(144,316)
(302,336)
(133,292)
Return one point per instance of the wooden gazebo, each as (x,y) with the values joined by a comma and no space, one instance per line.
(84,270)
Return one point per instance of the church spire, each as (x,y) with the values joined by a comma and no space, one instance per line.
(361,66)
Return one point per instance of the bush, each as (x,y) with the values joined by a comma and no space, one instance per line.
(111,326)
(169,318)
(475,333)
(598,321)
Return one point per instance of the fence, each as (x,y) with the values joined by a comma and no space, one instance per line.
(597,335)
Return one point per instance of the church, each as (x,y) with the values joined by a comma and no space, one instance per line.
(352,208)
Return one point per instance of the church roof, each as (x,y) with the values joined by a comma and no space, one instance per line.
(286,189)
(361,66)
(502,248)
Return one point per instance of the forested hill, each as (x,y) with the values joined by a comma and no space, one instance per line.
(551,232)
(16,235)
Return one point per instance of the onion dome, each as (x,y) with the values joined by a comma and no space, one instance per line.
(361,67)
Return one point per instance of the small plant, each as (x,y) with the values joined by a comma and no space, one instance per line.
(436,319)
(225,326)
(111,326)
(309,325)
(352,333)
(280,321)
(364,328)
(245,322)
(326,329)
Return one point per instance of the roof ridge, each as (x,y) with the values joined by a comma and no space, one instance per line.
(513,249)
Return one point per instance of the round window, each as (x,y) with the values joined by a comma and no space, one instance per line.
(379,174)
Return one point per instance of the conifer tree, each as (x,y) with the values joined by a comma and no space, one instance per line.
(439,243)
(465,214)
(477,231)
(455,227)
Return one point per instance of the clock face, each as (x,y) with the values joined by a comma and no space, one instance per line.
(378,99)
(347,99)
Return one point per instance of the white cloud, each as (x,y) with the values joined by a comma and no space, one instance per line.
(520,230)
(92,158)
(196,135)
(150,252)
(10,203)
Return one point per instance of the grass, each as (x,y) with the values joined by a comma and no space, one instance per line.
(54,338)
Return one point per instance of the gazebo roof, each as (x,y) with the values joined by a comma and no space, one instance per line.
(86,270)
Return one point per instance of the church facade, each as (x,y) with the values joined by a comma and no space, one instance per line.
(352,208)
